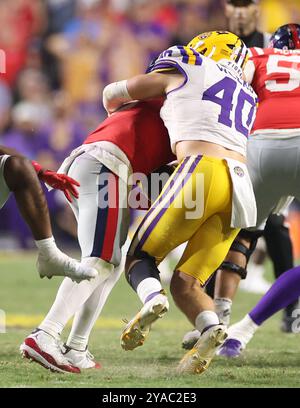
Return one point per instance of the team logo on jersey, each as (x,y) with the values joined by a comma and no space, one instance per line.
(239,171)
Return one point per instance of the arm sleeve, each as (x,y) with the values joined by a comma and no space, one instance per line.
(115,95)
(249,71)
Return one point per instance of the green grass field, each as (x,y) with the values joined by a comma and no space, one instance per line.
(271,360)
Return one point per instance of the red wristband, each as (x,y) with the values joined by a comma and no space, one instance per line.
(37,167)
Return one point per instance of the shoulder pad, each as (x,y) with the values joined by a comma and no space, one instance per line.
(179,53)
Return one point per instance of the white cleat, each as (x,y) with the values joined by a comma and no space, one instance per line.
(83,360)
(190,339)
(45,350)
(197,360)
(59,264)
(136,331)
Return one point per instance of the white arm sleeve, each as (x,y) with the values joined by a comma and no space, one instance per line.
(115,95)
(249,71)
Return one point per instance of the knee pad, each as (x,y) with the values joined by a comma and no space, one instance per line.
(279,244)
(276,225)
(237,246)
(275,220)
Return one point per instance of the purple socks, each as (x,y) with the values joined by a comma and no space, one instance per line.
(285,290)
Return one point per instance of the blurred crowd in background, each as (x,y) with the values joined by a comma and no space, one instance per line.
(59,56)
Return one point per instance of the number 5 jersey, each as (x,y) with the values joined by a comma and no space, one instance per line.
(275,76)
(213,103)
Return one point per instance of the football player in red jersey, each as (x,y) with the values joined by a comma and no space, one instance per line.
(273,160)
(131,141)
(21,177)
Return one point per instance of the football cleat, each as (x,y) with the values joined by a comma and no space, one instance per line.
(136,331)
(45,350)
(239,335)
(59,264)
(197,360)
(231,348)
(81,359)
(190,339)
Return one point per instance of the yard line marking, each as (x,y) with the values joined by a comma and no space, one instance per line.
(26,321)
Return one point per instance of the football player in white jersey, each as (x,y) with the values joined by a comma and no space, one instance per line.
(208,111)
(243,17)
(273,159)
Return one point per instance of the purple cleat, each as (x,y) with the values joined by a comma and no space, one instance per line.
(231,348)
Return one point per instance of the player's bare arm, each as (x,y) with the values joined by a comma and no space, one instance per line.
(140,87)
(9,151)
(57,181)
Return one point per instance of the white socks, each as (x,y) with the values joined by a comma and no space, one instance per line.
(206,319)
(223,310)
(86,317)
(248,324)
(243,330)
(86,299)
(70,297)
(147,287)
(46,246)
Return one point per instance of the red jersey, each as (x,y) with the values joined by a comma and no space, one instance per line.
(277,83)
(140,133)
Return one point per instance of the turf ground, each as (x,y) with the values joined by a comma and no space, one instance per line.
(272,359)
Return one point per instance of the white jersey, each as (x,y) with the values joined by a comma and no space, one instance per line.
(213,104)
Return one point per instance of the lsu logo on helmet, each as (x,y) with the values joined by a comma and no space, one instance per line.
(219,45)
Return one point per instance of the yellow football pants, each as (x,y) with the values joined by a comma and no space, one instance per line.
(194,206)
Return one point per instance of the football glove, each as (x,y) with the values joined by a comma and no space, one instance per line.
(58,181)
